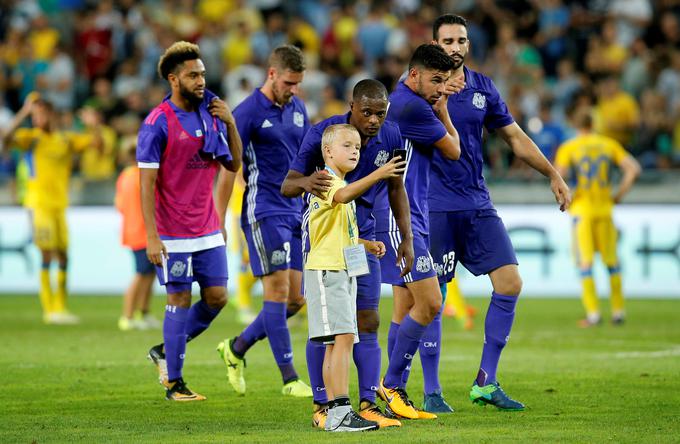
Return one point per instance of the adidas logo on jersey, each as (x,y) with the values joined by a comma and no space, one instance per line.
(197,162)
(266,124)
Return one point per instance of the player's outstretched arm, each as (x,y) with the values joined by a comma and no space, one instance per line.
(394,168)
(396,193)
(155,250)
(296,183)
(631,171)
(20,116)
(526,149)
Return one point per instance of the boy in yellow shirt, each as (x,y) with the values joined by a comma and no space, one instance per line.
(587,160)
(335,258)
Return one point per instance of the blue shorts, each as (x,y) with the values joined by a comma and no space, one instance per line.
(423,266)
(476,238)
(274,243)
(142,263)
(368,286)
(207,267)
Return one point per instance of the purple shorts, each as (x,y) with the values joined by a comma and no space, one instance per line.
(423,266)
(207,267)
(368,286)
(274,243)
(476,238)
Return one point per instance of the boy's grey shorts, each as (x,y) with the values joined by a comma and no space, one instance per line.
(331,304)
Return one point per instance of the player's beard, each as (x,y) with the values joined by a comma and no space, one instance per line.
(190,96)
(279,97)
(458,62)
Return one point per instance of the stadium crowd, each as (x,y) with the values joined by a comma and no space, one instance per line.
(545,56)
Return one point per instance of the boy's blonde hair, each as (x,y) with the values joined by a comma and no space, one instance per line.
(330,132)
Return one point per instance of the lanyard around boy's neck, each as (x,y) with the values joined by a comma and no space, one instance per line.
(350,225)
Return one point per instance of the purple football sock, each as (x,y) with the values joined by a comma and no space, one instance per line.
(430,349)
(497,327)
(253,333)
(175,338)
(391,338)
(405,347)
(315,352)
(279,338)
(199,318)
(367,357)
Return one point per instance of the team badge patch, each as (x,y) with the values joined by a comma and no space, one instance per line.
(439,268)
(278,257)
(424,264)
(178,268)
(479,100)
(381,158)
(298,119)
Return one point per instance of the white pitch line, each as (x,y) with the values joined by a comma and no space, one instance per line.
(675,351)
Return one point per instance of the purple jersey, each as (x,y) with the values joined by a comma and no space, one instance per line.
(271,137)
(420,129)
(459,184)
(171,140)
(375,154)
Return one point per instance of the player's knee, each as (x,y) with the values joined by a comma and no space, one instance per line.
(511,286)
(215,297)
(295,305)
(432,309)
(368,321)
(277,287)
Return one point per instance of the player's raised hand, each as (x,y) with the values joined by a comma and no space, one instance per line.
(455,85)
(318,183)
(394,168)
(405,256)
(156,251)
(219,108)
(376,248)
(561,191)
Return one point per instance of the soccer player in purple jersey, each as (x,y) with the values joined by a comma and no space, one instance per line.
(464,225)
(418,107)
(272,122)
(379,139)
(180,147)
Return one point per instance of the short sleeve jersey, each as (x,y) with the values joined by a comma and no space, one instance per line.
(376,152)
(420,129)
(49,156)
(271,137)
(332,227)
(589,159)
(459,184)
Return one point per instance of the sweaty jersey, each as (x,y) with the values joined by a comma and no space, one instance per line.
(332,227)
(376,153)
(589,159)
(49,156)
(171,140)
(271,136)
(420,129)
(459,184)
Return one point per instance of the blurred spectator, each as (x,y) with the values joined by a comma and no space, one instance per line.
(240,82)
(668,83)
(616,114)
(43,38)
(211,54)
(60,79)
(29,73)
(653,140)
(128,79)
(546,132)
(237,49)
(632,16)
(605,54)
(567,84)
(98,164)
(636,72)
(373,33)
(553,21)
(103,98)
(95,52)
(272,35)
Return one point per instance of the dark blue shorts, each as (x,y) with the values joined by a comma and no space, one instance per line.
(142,264)
(207,267)
(274,243)
(423,266)
(368,286)
(476,238)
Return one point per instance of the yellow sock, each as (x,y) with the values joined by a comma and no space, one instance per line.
(45,291)
(589,297)
(616,298)
(456,299)
(246,281)
(60,294)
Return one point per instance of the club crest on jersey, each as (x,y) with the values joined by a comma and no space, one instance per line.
(298,119)
(178,268)
(479,100)
(381,158)
(439,268)
(423,264)
(278,257)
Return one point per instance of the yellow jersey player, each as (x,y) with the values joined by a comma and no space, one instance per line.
(49,155)
(587,160)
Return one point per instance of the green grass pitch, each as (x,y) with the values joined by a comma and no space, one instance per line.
(92,383)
